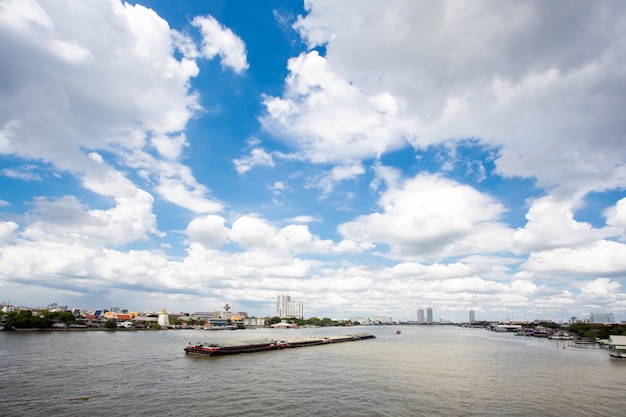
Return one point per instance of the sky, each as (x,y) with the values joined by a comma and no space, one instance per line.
(367,158)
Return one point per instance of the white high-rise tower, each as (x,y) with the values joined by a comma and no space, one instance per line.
(420,316)
(285,308)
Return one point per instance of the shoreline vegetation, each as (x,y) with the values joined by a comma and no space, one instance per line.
(44,320)
(33,321)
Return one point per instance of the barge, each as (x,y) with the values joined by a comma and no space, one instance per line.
(213,349)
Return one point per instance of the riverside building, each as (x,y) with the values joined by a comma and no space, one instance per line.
(285,308)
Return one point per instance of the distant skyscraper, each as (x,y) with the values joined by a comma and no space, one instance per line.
(602,318)
(472,317)
(285,308)
(429,315)
(420,316)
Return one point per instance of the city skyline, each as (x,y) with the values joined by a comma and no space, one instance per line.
(363,158)
(297,306)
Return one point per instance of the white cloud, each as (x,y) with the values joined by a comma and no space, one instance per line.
(538,81)
(130,88)
(169,147)
(601,288)
(358,284)
(209,231)
(24,173)
(66,221)
(551,224)
(537,85)
(253,233)
(7,232)
(20,15)
(600,258)
(219,40)
(278,188)
(329,119)
(258,157)
(192,196)
(430,217)
(327,181)
(616,217)
(434,271)
(527,288)
(303,219)
(350,246)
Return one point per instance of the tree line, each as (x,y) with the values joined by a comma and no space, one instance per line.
(25,319)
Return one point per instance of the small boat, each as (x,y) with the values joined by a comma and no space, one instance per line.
(398,332)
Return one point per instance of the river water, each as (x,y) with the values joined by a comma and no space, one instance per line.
(424,371)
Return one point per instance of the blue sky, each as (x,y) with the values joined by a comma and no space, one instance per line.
(365,157)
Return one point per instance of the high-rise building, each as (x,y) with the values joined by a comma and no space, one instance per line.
(602,318)
(472,316)
(420,316)
(285,308)
(429,315)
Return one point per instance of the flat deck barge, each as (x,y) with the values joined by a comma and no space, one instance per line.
(212,349)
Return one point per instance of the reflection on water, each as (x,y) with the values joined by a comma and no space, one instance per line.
(422,372)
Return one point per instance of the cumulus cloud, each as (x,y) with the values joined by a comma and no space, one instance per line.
(69,90)
(539,86)
(601,288)
(434,271)
(429,216)
(551,224)
(7,232)
(537,81)
(253,233)
(67,221)
(328,119)
(209,231)
(599,258)
(616,217)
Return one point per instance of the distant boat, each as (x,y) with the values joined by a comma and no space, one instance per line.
(267,344)
(398,332)
(561,336)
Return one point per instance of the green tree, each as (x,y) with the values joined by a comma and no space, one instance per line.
(67,317)
(272,320)
(24,319)
(314,321)
(327,322)
(110,324)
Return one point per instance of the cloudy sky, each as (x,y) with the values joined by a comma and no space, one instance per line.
(365,157)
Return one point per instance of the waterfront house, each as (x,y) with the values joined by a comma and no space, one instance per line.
(617,346)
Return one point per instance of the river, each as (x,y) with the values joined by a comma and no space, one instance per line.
(424,371)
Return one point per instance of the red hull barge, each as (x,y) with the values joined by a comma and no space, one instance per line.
(205,349)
